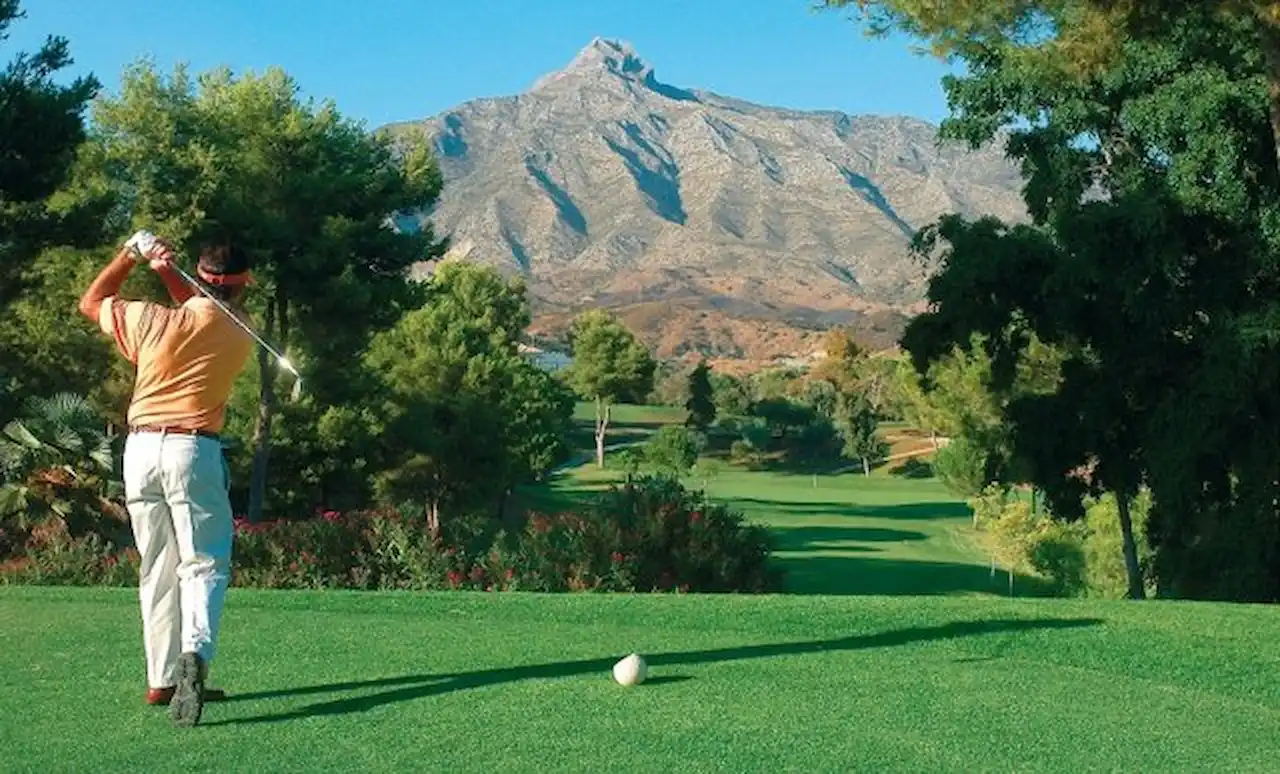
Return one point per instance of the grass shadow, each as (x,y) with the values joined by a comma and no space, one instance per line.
(796,538)
(411,687)
(920,511)
(864,576)
(666,679)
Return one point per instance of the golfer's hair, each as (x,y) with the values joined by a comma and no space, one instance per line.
(224,257)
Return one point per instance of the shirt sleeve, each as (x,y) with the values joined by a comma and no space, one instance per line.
(128,322)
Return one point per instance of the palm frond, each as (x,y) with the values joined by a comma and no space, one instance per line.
(17,432)
(103,455)
(13,498)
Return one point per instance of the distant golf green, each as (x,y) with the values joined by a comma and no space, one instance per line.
(338,681)
(837,534)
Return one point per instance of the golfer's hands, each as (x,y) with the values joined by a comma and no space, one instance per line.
(150,248)
(161,257)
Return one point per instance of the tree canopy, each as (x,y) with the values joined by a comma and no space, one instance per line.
(1150,261)
(609,365)
(309,195)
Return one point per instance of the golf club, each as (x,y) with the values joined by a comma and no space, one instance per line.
(142,244)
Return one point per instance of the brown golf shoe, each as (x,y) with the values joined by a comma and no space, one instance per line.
(160,697)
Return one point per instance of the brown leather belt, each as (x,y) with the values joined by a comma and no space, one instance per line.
(172,431)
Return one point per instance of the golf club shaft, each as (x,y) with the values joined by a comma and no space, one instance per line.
(199,286)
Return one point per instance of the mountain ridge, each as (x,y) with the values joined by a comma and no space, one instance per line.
(604,186)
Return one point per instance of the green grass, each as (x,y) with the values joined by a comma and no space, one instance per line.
(895,651)
(626,414)
(628,424)
(333,681)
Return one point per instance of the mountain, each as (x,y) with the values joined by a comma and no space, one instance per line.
(710,224)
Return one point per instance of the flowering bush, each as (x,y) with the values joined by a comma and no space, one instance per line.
(649,535)
(53,555)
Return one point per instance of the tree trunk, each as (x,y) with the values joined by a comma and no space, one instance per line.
(933,437)
(602,427)
(1131,568)
(433,517)
(866,467)
(262,427)
(1270,35)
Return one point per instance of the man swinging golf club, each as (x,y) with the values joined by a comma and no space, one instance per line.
(176,479)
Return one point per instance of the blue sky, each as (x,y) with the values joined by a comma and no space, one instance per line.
(396,60)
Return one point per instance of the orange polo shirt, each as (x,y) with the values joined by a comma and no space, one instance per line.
(188,358)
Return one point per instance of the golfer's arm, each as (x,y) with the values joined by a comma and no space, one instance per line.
(179,291)
(106,284)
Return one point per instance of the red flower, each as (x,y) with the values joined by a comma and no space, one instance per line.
(332,516)
(454,577)
(618,557)
(293,566)
(511,573)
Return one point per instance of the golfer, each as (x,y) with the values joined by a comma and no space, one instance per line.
(175,476)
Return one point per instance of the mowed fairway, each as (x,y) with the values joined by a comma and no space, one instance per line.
(893,650)
(515,683)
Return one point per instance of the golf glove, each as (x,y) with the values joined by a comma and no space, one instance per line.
(142,242)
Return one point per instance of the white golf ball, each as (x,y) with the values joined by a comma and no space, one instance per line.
(630,670)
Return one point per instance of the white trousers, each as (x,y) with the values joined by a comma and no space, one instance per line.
(176,487)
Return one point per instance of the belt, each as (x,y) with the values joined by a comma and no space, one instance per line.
(173,431)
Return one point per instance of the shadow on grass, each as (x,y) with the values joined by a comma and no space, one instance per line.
(845,575)
(923,511)
(411,687)
(797,538)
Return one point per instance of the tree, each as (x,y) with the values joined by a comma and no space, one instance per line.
(962,467)
(470,417)
(732,395)
(609,366)
(41,130)
(673,450)
(311,195)
(701,404)
(1150,262)
(1079,40)
(858,425)
(43,354)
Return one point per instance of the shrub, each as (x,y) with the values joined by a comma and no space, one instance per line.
(673,450)
(52,556)
(757,435)
(744,453)
(680,541)
(962,467)
(914,468)
(1103,545)
(649,535)
(1022,540)
(382,549)
(1057,552)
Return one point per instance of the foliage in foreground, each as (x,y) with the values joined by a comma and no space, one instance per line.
(651,535)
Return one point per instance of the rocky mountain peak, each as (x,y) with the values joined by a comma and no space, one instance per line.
(615,59)
(720,226)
